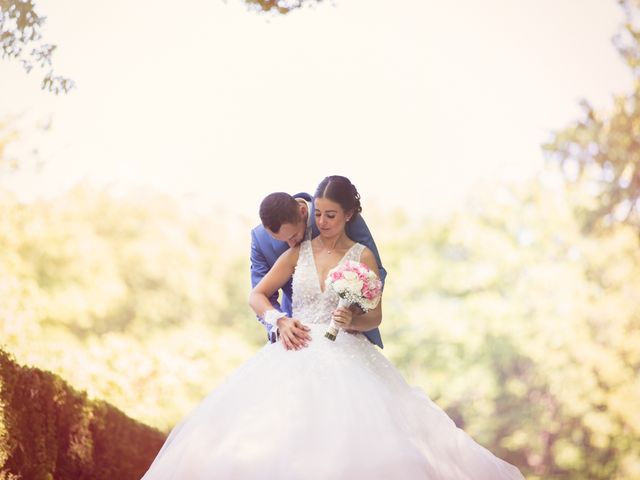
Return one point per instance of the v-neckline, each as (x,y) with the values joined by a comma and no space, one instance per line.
(315,266)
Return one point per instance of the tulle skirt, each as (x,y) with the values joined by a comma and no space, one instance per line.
(331,411)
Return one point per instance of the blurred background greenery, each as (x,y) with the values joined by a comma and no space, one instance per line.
(517,312)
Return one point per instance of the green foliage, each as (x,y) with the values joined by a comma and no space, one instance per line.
(602,149)
(593,377)
(20,30)
(50,430)
(524,330)
(149,298)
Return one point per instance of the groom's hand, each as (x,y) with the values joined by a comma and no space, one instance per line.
(293,334)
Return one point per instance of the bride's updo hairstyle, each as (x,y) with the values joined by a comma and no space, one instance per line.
(340,190)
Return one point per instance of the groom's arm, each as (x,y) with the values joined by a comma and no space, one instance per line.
(259,268)
(359,232)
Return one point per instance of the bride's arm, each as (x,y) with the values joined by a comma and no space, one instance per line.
(291,332)
(372,318)
(273,280)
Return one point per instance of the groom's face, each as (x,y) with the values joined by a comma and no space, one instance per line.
(291,233)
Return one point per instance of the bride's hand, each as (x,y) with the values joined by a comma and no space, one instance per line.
(293,334)
(342,317)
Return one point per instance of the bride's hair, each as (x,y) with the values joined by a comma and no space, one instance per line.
(340,190)
(278,208)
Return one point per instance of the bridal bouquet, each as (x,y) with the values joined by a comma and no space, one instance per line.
(355,284)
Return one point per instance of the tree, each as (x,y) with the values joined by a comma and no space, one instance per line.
(523,329)
(20,30)
(131,296)
(603,148)
(21,25)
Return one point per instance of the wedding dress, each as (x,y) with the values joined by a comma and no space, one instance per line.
(332,411)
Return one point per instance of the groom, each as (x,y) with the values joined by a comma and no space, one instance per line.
(286,222)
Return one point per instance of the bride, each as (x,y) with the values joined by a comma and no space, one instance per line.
(317,409)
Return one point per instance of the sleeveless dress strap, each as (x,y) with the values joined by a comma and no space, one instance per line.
(355,253)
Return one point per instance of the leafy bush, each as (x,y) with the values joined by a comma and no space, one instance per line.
(50,430)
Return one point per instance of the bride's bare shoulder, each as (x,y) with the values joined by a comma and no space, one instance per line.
(368,258)
(367,254)
(291,255)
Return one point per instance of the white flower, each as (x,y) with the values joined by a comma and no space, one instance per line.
(349,275)
(340,285)
(355,286)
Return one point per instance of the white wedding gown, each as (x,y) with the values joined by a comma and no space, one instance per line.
(333,410)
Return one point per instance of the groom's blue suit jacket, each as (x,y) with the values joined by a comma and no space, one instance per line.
(265,250)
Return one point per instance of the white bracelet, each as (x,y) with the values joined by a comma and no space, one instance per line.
(272,316)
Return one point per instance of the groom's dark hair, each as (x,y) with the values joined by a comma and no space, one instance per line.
(278,208)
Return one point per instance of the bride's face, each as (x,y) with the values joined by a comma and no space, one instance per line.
(330,217)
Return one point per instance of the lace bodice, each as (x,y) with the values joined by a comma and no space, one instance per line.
(310,304)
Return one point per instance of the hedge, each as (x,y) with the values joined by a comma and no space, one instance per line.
(50,431)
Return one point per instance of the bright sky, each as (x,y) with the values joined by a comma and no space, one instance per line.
(416,101)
